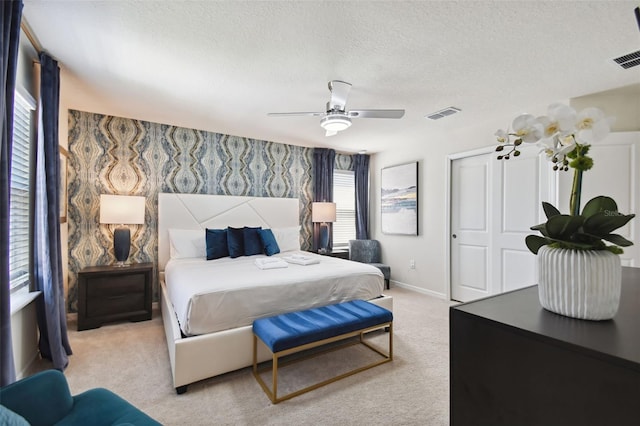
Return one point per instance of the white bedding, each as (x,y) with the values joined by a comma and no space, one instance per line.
(215,295)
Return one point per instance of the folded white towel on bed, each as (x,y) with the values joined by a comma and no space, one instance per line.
(270,263)
(300,259)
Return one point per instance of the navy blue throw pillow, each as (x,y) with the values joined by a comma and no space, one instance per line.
(216,243)
(252,241)
(269,242)
(235,241)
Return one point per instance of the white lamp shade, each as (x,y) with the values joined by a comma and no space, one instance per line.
(323,212)
(121,209)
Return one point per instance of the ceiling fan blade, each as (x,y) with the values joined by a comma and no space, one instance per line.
(288,114)
(376,113)
(331,133)
(339,94)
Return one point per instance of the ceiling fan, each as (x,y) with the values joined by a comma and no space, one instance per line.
(336,118)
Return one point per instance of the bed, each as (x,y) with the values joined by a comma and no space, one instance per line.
(208,331)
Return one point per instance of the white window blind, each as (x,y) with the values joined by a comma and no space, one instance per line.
(19,196)
(344,195)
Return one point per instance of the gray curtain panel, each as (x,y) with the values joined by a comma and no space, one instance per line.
(11,15)
(361,175)
(52,322)
(323,164)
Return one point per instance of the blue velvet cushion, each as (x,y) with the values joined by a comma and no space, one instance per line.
(216,243)
(44,399)
(101,407)
(285,331)
(252,241)
(269,242)
(9,418)
(235,242)
(47,390)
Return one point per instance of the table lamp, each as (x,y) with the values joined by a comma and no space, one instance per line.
(323,213)
(121,210)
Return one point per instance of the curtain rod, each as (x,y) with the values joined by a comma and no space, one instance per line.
(32,39)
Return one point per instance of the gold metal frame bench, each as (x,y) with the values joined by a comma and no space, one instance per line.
(273,394)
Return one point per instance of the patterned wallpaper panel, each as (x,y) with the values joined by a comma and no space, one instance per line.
(113,155)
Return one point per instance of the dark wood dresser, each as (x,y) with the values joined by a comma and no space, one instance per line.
(514,363)
(112,293)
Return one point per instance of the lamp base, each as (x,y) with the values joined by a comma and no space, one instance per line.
(121,245)
(324,238)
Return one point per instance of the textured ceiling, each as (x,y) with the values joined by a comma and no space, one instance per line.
(223,65)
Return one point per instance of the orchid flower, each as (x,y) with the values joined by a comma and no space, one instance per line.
(527,128)
(502,136)
(564,136)
(592,125)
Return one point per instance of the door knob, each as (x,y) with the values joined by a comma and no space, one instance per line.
(455,236)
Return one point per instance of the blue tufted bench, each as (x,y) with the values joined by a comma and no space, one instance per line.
(286,334)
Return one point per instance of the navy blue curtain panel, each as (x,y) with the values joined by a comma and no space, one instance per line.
(361,180)
(323,163)
(10,39)
(52,318)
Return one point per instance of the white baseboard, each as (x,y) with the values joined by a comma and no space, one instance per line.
(432,293)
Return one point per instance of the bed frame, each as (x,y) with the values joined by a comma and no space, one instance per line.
(200,357)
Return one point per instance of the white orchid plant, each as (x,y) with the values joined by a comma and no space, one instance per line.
(565,136)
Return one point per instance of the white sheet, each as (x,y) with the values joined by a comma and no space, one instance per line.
(215,295)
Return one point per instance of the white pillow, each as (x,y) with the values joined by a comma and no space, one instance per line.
(187,243)
(288,239)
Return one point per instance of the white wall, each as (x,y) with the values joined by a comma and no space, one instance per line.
(24,337)
(442,138)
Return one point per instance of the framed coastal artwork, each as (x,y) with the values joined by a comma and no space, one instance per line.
(399,199)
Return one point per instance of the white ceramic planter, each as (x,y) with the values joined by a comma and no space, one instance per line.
(581,284)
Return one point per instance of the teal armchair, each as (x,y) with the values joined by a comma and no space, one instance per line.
(45,399)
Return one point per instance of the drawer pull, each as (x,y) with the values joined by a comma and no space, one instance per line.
(122,296)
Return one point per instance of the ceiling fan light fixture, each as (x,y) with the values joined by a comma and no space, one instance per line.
(335,123)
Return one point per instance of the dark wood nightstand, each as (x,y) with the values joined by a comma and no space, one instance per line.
(342,254)
(114,293)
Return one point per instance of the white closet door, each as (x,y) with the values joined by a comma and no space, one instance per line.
(615,173)
(493,205)
(521,186)
(470,227)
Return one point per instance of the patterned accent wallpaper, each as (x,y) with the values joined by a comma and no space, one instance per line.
(114,155)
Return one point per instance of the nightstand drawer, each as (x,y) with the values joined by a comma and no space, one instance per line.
(113,305)
(107,287)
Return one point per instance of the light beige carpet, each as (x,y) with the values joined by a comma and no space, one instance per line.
(131,359)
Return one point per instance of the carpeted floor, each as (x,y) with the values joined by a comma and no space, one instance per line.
(131,359)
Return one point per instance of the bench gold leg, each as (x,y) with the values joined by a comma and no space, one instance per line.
(386,357)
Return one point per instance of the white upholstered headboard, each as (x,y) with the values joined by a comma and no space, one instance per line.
(200,211)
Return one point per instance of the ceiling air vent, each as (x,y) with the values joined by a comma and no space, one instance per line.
(628,61)
(442,113)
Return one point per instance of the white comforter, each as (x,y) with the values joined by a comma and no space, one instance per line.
(215,295)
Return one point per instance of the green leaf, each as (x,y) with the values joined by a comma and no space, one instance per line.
(534,242)
(617,240)
(614,249)
(602,223)
(599,204)
(549,210)
(542,228)
(562,226)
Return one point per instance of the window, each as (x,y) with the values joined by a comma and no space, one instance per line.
(20,193)
(344,195)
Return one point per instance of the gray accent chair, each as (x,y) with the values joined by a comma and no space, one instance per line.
(368,251)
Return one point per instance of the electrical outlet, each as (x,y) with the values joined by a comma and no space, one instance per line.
(412,264)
